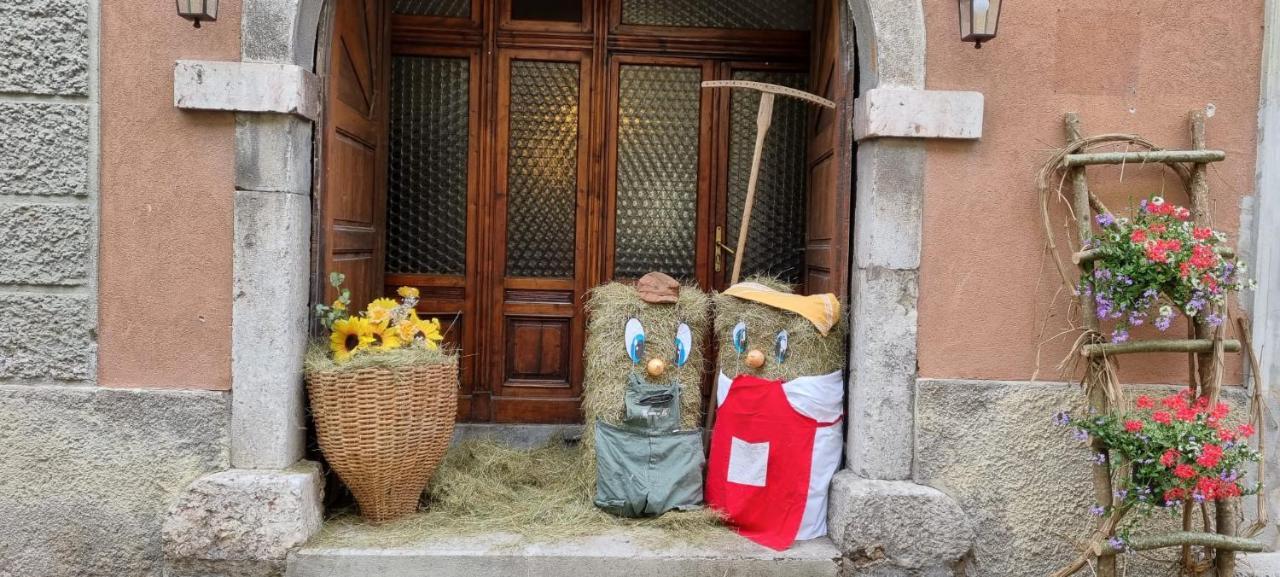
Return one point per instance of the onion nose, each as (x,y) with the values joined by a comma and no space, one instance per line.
(755,359)
(655,367)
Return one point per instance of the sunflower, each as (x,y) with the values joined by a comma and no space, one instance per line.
(384,337)
(430,331)
(407,292)
(407,329)
(380,310)
(350,335)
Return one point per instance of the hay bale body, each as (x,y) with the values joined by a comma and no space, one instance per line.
(809,352)
(607,365)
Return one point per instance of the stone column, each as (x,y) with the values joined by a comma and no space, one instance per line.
(883,523)
(246,520)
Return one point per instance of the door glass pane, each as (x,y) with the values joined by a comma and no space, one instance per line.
(775,241)
(557,10)
(658,117)
(450,8)
(542,169)
(749,14)
(427,188)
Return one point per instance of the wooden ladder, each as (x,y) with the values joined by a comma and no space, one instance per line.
(1205,347)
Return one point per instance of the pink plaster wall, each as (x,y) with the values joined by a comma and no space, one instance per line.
(986,286)
(167,180)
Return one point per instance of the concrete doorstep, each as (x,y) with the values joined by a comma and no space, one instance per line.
(628,553)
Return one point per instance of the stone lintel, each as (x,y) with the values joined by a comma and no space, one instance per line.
(905,113)
(246,87)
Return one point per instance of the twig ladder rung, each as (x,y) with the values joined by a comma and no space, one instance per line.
(1158,346)
(1145,156)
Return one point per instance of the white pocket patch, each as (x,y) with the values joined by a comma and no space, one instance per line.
(748,462)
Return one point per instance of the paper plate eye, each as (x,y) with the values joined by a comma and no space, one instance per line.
(780,346)
(635,339)
(684,341)
(740,337)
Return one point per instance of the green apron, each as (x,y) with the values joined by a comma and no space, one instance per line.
(648,466)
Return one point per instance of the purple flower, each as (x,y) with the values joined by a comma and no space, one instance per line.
(1150,293)
(1124,279)
(1163,321)
(1098,459)
(1101,273)
(1079,435)
(1119,336)
(1142,205)
(1122,493)
(1097,510)
(1105,219)
(1116,543)
(1198,497)
(1062,419)
(1214,320)
(1136,318)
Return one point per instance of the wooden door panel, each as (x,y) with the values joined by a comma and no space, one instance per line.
(829,160)
(352,207)
(542,152)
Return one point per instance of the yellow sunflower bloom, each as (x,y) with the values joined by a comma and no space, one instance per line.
(349,336)
(430,331)
(407,292)
(380,310)
(385,338)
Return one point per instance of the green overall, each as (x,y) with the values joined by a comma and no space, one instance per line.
(648,466)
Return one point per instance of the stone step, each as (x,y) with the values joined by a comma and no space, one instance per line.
(629,553)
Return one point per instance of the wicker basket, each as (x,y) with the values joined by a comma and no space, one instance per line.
(385,430)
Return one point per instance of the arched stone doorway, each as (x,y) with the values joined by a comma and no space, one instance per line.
(273,261)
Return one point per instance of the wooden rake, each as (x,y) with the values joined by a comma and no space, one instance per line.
(764,118)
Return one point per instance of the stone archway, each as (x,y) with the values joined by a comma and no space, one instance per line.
(871,499)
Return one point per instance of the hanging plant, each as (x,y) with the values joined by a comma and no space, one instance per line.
(1178,450)
(1157,264)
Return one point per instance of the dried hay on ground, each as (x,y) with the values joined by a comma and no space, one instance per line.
(485,487)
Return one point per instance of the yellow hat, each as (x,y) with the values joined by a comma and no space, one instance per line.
(822,310)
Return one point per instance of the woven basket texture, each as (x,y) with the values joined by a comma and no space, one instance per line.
(385,430)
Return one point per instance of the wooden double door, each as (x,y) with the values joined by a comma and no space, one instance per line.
(530,150)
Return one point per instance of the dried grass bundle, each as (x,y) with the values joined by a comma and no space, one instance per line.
(809,352)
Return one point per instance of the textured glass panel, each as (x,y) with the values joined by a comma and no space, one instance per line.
(427,191)
(657,170)
(542,169)
(451,8)
(555,10)
(750,14)
(775,241)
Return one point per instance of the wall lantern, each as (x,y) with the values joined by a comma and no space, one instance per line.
(198,11)
(978,20)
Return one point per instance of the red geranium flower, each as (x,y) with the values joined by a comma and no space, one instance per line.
(1225,434)
(1138,236)
(1174,494)
(1170,457)
(1202,233)
(1133,426)
(1184,471)
(1245,430)
(1221,410)
(1174,401)
(1208,487)
(1186,414)
(1162,417)
(1145,402)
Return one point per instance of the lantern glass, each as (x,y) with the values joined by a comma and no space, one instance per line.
(198,10)
(978,20)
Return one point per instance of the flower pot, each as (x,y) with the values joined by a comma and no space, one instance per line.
(384,430)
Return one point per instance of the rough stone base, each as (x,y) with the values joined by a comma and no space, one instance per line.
(1258,565)
(242,523)
(897,528)
(993,447)
(86,474)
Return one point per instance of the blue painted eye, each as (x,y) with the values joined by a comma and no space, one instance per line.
(780,346)
(684,341)
(740,337)
(634,339)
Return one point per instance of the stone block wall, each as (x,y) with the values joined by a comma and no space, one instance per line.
(48,192)
(87,474)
